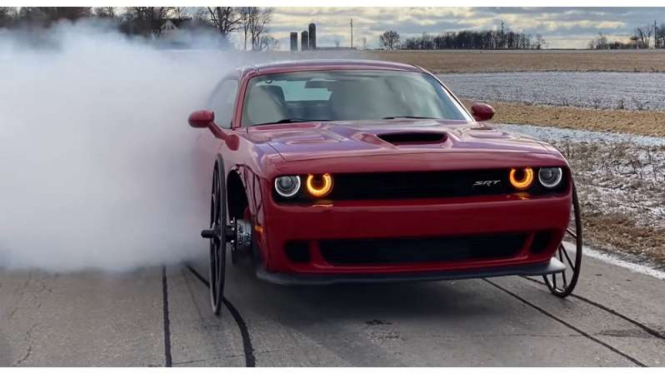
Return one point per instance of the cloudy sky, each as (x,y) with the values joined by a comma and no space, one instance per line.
(561,27)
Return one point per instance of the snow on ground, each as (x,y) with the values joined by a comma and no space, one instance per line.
(620,174)
(559,134)
(599,90)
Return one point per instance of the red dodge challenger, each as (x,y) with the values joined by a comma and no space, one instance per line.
(342,171)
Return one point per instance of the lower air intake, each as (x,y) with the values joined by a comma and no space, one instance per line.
(421,250)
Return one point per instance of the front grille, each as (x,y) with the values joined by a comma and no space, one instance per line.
(415,185)
(420,184)
(421,250)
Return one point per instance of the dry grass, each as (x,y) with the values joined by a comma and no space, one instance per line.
(621,121)
(621,195)
(619,233)
(547,60)
(619,183)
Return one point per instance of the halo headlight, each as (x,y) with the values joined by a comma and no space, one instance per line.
(550,177)
(287,186)
(522,178)
(320,185)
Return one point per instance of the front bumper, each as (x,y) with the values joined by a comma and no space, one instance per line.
(286,279)
(421,218)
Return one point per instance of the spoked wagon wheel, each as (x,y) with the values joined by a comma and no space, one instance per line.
(218,234)
(570,253)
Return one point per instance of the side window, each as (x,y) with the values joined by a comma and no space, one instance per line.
(223,102)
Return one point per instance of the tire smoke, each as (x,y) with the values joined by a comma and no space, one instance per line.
(98,167)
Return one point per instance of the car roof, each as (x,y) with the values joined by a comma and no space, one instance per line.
(323,64)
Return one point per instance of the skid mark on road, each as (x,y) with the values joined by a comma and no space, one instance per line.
(581,332)
(642,326)
(250,359)
(168,361)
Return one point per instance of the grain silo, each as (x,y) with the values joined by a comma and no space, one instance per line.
(312,36)
(294,41)
(304,41)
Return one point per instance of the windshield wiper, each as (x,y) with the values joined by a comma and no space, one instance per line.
(410,117)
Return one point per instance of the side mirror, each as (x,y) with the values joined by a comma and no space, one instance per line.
(482,112)
(202,119)
(205,119)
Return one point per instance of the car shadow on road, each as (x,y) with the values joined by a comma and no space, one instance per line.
(452,300)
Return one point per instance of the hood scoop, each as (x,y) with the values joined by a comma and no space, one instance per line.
(408,138)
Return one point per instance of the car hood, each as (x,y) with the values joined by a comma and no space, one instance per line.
(315,140)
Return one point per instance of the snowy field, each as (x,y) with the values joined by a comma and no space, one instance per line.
(598,90)
(556,134)
(619,177)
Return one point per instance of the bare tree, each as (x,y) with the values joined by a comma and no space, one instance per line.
(146,20)
(225,19)
(659,36)
(261,25)
(48,15)
(643,35)
(104,12)
(254,24)
(179,12)
(599,42)
(389,40)
(268,43)
(8,16)
(247,17)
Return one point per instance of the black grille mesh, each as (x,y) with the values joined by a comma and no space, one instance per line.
(414,185)
(420,250)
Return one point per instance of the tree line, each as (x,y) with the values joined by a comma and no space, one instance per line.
(251,23)
(641,39)
(466,39)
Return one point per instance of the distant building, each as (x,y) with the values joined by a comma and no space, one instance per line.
(173,28)
(183,32)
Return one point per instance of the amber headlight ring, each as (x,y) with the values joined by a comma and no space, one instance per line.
(521,178)
(319,186)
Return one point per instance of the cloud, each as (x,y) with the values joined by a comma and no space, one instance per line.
(562,27)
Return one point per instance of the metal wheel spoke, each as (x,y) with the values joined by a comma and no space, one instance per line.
(571,233)
(569,260)
(554,280)
(567,283)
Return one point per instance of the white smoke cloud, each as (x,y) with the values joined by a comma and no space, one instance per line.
(98,167)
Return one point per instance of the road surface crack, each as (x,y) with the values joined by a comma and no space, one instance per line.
(28,340)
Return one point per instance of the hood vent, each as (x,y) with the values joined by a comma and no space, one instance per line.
(401,138)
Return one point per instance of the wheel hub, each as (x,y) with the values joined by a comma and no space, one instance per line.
(242,238)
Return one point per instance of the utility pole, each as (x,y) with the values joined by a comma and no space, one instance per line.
(351,32)
(502,36)
(655,35)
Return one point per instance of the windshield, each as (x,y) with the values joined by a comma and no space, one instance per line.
(346,95)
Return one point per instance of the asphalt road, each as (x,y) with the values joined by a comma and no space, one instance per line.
(161,316)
